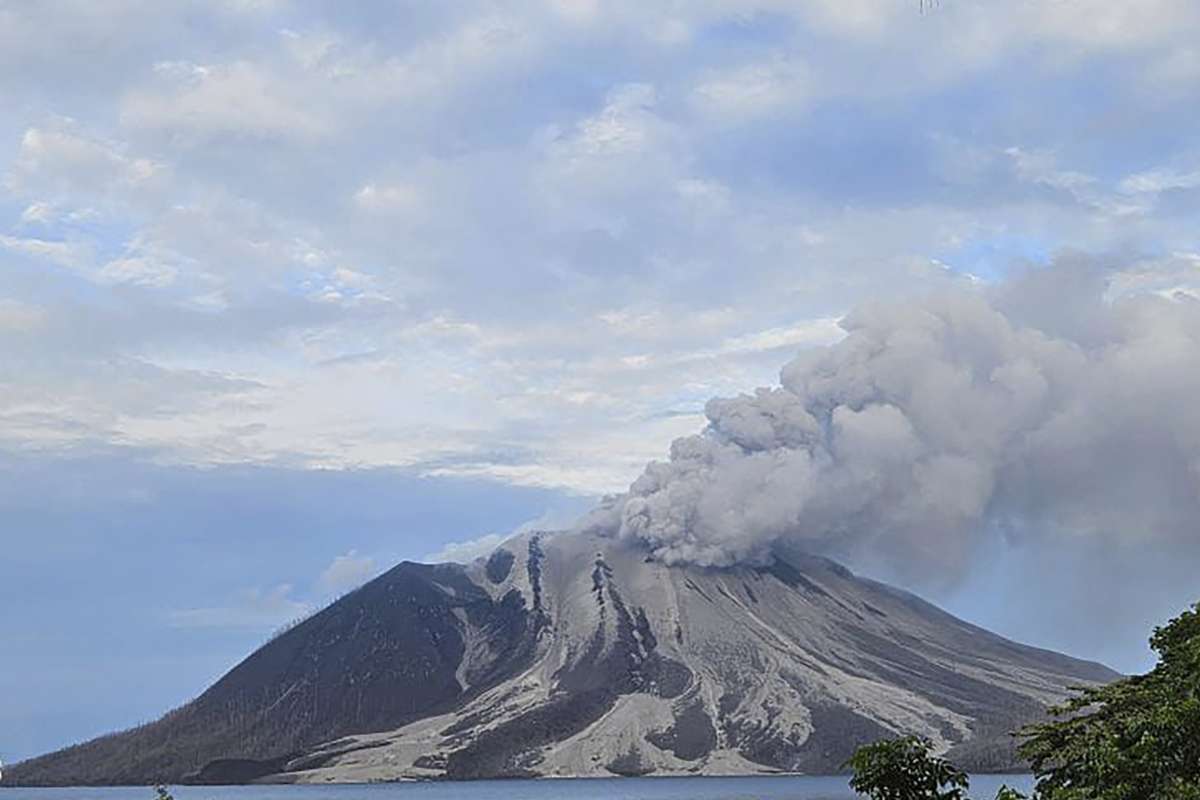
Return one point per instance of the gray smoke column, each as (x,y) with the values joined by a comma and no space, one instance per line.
(1045,407)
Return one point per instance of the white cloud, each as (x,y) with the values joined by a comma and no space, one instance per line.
(346,572)
(466,551)
(1157,181)
(810,333)
(1042,168)
(577,11)
(622,126)
(708,197)
(592,174)
(63,163)
(137,271)
(858,17)
(78,256)
(552,519)
(38,213)
(1082,25)
(73,255)
(255,609)
(389,199)
(750,91)
(239,99)
(1104,25)
(16,316)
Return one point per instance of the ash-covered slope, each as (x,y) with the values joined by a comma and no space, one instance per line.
(576,655)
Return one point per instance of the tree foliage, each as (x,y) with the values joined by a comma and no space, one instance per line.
(1135,738)
(905,769)
(1008,793)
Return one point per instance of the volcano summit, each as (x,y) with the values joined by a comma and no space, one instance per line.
(577,655)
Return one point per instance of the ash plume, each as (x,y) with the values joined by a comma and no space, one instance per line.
(1051,406)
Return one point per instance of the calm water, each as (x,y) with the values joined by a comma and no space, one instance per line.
(833,788)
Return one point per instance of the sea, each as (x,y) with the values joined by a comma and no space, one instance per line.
(983,787)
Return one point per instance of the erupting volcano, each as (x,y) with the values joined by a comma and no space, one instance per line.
(577,654)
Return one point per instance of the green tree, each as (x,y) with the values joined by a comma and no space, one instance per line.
(1135,738)
(1007,793)
(905,769)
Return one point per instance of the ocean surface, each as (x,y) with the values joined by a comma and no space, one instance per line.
(983,787)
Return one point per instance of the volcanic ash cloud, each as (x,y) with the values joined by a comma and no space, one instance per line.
(1043,407)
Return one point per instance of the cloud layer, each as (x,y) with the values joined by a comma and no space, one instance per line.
(545,232)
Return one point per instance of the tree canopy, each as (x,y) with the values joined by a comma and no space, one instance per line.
(1135,738)
(905,769)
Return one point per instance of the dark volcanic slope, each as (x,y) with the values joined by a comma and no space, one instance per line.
(575,655)
(379,657)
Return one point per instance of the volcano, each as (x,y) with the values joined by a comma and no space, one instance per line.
(577,655)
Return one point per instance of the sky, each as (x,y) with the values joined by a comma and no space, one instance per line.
(291,291)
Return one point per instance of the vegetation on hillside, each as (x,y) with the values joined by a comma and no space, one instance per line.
(1133,739)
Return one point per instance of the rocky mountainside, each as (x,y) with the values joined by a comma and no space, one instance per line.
(576,655)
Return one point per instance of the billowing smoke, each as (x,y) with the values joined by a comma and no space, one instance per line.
(1051,406)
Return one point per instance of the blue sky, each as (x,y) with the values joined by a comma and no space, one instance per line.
(290,291)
